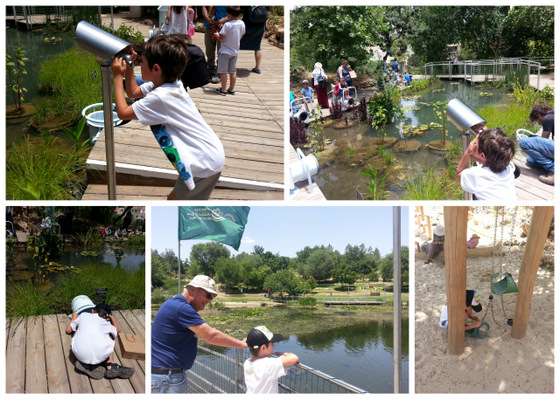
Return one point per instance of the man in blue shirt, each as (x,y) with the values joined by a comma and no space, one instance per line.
(174,330)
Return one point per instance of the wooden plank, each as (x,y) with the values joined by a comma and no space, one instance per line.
(57,373)
(137,381)
(79,383)
(15,356)
(35,367)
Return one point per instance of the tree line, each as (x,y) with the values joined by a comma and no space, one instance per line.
(330,34)
(262,270)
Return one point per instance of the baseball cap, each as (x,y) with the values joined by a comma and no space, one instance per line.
(204,282)
(260,335)
(305,81)
(473,300)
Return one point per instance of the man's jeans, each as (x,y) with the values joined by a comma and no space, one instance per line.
(540,152)
(172,383)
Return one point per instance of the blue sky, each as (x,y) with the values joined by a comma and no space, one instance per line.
(288,229)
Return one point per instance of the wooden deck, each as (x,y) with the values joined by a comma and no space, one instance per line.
(528,185)
(250,125)
(38,357)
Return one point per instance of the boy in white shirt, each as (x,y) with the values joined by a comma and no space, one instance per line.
(230,38)
(93,343)
(189,143)
(494,180)
(262,371)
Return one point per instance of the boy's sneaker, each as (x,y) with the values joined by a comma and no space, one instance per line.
(118,371)
(220,91)
(93,371)
(231,91)
(256,70)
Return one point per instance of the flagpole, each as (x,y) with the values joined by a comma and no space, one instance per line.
(179,267)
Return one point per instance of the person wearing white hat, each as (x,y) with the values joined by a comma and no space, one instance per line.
(174,335)
(436,246)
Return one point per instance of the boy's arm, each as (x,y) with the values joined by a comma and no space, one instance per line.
(464,163)
(289,359)
(124,111)
(69,329)
(114,323)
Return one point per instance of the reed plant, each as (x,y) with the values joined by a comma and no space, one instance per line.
(430,185)
(511,117)
(42,170)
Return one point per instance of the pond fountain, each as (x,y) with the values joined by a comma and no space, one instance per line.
(403,151)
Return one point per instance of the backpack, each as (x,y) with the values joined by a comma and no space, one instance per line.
(196,72)
(258,14)
(322,82)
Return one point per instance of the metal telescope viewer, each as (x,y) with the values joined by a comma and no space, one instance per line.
(465,119)
(105,46)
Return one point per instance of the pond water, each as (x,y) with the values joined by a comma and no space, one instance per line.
(129,257)
(352,147)
(355,346)
(37,51)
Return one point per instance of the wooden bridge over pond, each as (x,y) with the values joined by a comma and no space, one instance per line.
(250,125)
(38,357)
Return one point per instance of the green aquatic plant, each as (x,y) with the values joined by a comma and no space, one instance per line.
(441,118)
(76,133)
(375,186)
(15,70)
(385,155)
(429,185)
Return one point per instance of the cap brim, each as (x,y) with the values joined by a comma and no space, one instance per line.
(203,288)
(276,338)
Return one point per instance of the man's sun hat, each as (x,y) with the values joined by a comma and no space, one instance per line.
(473,300)
(204,282)
(260,335)
(439,230)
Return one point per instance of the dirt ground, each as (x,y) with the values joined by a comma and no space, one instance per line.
(498,363)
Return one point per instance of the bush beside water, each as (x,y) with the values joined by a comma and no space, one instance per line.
(125,291)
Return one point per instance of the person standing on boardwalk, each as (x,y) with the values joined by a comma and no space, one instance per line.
(255,18)
(319,81)
(214,18)
(174,335)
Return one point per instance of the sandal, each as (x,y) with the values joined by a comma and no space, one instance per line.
(220,91)
(93,371)
(256,70)
(118,371)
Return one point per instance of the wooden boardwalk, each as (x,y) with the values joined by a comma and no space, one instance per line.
(527,184)
(250,125)
(38,357)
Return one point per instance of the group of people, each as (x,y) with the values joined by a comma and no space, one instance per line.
(493,178)
(176,327)
(188,141)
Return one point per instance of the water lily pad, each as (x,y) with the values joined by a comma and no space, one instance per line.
(439,146)
(407,146)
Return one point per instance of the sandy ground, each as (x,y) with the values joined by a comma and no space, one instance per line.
(498,363)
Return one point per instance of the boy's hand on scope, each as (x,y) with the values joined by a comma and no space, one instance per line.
(118,66)
(473,146)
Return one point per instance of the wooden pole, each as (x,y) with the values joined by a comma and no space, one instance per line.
(540,222)
(429,225)
(455,253)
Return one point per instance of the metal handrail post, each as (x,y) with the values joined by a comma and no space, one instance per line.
(466,141)
(108,126)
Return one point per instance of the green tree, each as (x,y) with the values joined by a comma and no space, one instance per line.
(284,282)
(320,264)
(206,254)
(386,266)
(344,275)
(330,34)
(15,67)
(228,272)
(529,31)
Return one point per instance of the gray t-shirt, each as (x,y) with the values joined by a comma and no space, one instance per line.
(233,31)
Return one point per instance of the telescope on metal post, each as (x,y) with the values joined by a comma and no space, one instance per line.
(105,46)
(465,120)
